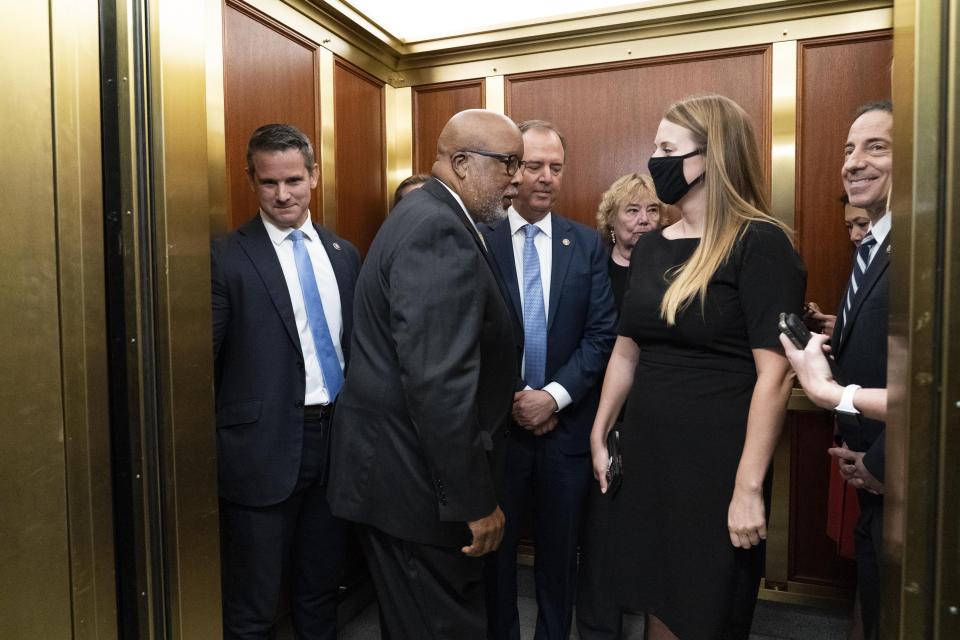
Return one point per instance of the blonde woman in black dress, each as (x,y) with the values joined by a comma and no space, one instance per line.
(698,356)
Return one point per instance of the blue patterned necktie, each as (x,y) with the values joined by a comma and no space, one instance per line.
(534,316)
(860,266)
(326,353)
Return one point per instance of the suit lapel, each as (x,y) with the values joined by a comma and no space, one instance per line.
(343,273)
(877,266)
(255,241)
(439,191)
(435,188)
(561,262)
(501,247)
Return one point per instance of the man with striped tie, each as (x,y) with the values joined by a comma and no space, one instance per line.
(859,343)
(282,291)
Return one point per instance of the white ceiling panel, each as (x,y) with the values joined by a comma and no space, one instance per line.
(418,20)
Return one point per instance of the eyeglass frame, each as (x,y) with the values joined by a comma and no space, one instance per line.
(506,158)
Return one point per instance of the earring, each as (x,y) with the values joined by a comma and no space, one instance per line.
(613,237)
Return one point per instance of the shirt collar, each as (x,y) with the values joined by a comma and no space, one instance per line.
(278,235)
(881,228)
(517,222)
(456,197)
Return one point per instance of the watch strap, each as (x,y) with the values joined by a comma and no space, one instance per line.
(846,401)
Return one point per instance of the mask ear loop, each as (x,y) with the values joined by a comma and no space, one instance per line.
(703,176)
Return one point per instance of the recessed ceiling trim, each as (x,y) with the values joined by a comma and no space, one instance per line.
(724,14)
(442,25)
(613,18)
(612,36)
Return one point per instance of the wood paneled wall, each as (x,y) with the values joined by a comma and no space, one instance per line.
(836,75)
(609,113)
(433,105)
(813,554)
(360,154)
(270,74)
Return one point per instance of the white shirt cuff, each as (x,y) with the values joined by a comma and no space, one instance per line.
(560,395)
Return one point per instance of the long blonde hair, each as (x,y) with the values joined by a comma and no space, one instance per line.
(735,194)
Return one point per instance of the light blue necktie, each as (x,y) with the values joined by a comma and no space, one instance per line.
(534,316)
(326,353)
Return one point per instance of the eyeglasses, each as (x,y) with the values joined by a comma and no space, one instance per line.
(509,160)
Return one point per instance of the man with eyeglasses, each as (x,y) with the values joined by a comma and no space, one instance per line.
(558,290)
(423,412)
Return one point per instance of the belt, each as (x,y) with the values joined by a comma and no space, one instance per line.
(317,411)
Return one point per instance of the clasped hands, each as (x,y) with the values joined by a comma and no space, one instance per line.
(535,410)
(854,471)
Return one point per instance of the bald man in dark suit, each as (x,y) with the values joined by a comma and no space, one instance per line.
(422,415)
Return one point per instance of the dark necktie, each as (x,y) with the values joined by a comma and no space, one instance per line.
(860,266)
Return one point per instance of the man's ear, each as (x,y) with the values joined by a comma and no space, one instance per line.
(459,162)
(314,175)
(251,179)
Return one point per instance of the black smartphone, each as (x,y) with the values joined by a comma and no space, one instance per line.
(794,328)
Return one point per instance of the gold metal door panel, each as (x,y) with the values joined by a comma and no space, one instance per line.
(55,529)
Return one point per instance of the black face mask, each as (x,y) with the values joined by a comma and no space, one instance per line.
(667,174)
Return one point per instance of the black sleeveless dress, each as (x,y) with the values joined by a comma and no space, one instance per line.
(684,430)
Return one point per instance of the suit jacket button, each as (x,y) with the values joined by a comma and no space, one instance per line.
(298,404)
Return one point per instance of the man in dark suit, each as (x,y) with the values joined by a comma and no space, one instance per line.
(282,302)
(859,342)
(559,292)
(422,414)
(856,388)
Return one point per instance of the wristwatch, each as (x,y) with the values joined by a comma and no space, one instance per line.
(846,401)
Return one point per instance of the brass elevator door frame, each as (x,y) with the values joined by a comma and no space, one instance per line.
(921,562)
(160,84)
(58,577)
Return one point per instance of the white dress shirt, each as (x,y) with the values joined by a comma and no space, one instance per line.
(462,206)
(880,229)
(329,293)
(543,241)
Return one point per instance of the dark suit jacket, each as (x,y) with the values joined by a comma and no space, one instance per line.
(431,378)
(259,374)
(580,321)
(861,356)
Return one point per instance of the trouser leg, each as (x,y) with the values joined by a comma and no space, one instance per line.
(562,482)
(425,592)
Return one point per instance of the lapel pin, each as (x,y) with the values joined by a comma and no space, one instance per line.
(565,242)
(888,249)
(336,245)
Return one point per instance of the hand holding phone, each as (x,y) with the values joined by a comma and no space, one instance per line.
(795,329)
